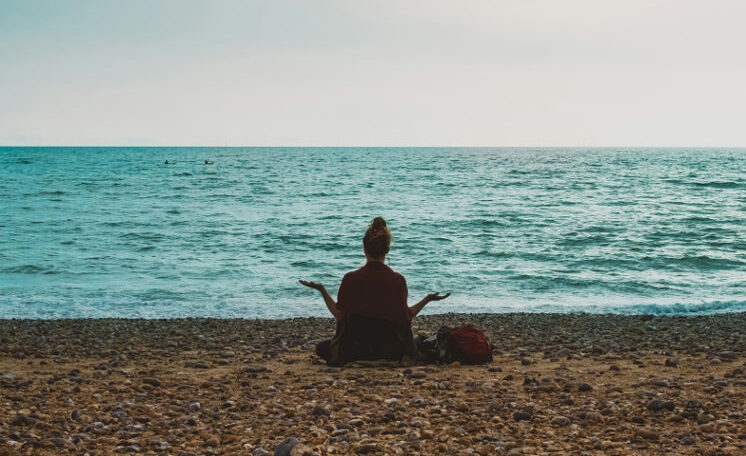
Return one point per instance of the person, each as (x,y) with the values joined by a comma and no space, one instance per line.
(208,162)
(371,312)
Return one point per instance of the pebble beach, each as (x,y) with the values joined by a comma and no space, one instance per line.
(559,384)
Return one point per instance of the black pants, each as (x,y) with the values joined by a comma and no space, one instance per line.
(324,349)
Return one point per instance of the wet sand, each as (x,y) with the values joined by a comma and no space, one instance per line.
(559,384)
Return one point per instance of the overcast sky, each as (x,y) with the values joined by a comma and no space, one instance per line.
(276,72)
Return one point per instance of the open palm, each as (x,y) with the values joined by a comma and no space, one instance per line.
(314,285)
(437,296)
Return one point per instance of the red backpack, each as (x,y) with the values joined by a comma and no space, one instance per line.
(466,344)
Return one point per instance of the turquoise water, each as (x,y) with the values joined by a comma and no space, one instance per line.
(113,232)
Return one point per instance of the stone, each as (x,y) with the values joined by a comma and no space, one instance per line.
(195,406)
(561,421)
(584,387)
(655,405)
(284,447)
(133,448)
(60,442)
(649,434)
(320,411)
(151,381)
(158,444)
(672,362)
(521,416)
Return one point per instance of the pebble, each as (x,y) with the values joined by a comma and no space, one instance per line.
(133,448)
(560,421)
(60,442)
(284,447)
(656,405)
(151,381)
(583,387)
(649,434)
(98,402)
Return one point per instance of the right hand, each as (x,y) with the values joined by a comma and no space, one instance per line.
(314,285)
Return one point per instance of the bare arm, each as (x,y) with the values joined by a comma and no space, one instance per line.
(330,303)
(415,309)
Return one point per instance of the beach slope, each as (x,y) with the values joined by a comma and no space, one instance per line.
(559,384)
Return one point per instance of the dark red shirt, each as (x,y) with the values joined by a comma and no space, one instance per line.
(375,291)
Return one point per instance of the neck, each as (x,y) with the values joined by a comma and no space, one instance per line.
(375,260)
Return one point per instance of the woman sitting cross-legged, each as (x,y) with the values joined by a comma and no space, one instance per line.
(373,320)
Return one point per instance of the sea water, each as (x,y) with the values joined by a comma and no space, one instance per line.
(115,232)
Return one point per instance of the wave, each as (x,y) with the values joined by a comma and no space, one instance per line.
(683,308)
(28,269)
(717,184)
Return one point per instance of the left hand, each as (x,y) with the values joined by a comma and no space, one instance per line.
(436,297)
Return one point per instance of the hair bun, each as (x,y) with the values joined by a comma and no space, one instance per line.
(378,223)
(377,238)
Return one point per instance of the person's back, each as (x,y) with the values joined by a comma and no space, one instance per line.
(375,291)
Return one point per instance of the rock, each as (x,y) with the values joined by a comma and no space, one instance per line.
(648,434)
(418,374)
(320,411)
(195,406)
(22,419)
(561,421)
(60,442)
(655,405)
(584,387)
(133,448)
(495,369)
(260,451)
(366,447)
(688,439)
(286,446)
(728,355)
(151,381)
(521,416)
(672,362)
(158,445)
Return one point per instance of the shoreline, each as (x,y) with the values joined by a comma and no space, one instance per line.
(559,383)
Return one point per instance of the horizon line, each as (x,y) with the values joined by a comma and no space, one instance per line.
(4,146)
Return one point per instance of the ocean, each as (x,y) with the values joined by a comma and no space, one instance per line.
(114,232)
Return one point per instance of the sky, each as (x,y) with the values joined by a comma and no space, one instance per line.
(373,73)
